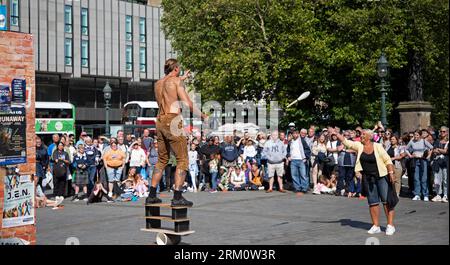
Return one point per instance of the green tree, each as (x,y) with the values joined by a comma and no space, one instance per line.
(275,50)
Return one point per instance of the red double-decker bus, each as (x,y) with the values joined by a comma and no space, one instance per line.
(140,113)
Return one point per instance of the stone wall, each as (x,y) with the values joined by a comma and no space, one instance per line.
(17,60)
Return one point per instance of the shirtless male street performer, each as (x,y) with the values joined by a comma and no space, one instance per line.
(169,92)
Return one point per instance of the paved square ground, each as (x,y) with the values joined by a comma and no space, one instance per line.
(248,217)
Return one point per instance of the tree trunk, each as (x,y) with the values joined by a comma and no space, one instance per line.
(415,78)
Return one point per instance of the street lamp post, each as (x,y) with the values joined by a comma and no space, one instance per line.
(382,70)
(107,95)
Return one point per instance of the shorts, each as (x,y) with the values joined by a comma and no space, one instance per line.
(81,178)
(275,168)
(229,164)
(377,190)
(114,174)
(169,129)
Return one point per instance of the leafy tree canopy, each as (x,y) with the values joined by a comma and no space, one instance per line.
(275,50)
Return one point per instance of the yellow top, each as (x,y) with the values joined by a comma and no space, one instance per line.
(114,158)
(381,156)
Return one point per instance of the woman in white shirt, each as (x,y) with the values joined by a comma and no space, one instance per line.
(137,158)
(249,151)
(237,179)
(333,150)
(193,166)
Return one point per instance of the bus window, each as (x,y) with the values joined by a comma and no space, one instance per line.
(54,113)
(150,112)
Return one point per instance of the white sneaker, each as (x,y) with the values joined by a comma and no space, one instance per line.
(85,199)
(416,198)
(146,194)
(261,188)
(316,191)
(190,189)
(374,230)
(436,198)
(59,200)
(425,199)
(390,230)
(444,199)
(110,194)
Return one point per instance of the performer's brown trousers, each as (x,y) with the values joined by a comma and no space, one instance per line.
(169,130)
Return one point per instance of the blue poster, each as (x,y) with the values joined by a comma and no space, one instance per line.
(13,145)
(5,98)
(18,90)
(3,16)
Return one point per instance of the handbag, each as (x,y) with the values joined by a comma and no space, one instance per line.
(392,198)
(60,170)
(329,161)
(143,173)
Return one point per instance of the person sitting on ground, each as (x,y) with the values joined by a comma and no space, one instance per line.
(41,199)
(326,185)
(128,190)
(256,177)
(237,179)
(140,185)
(98,193)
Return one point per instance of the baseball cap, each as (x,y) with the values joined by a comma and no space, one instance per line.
(291,124)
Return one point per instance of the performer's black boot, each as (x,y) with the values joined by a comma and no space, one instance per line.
(179,200)
(152,199)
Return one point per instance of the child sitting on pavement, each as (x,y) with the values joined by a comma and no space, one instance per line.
(237,179)
(97,194)
(326,185)
(41,199)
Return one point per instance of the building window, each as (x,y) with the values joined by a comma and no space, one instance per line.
(129,57)
(129,28)
(143,59)
(84,22)
(142,30)
(68,51)
(84,53)
(68,19)
(14,12)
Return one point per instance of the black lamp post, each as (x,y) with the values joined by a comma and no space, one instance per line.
(107,95)
(382,70)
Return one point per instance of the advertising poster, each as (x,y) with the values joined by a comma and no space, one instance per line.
(5,98)
(18,208)
(18,87)
(13,143)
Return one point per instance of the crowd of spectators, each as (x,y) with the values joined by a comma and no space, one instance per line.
(305,160)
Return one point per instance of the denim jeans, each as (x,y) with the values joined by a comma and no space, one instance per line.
(347,174)
(214,179)
(420,178)
(150,170)
(299,177)
(92,170)
(114,174)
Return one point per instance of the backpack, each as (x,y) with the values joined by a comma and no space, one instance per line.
(60,170)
